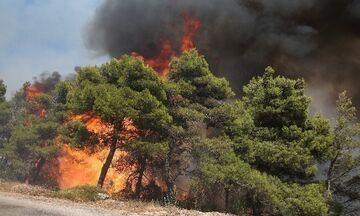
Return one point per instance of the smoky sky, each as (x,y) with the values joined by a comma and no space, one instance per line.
(315,39)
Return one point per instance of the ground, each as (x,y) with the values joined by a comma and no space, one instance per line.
(24,200)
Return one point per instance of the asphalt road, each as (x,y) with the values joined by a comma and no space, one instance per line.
(15,205)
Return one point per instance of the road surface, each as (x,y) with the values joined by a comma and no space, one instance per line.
(13,204)
(18,205)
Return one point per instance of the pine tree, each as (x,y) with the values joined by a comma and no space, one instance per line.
(5,124)
(193,90)
(265,149)
(32,135)
(119,90)
(286,140)
(343,178)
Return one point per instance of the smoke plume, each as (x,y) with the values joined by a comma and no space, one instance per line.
(47,81)
(315,39)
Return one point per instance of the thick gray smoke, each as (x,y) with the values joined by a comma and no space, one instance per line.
(47,81)
(315,39)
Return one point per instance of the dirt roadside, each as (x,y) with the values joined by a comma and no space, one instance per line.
(20,199)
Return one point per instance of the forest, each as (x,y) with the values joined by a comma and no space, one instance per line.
(187,139)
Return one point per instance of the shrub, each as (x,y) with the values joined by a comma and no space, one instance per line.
(81,193)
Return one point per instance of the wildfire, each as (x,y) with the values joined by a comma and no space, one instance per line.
(82,167)
(78,167)
(161,63)
(31,92)
(192,25)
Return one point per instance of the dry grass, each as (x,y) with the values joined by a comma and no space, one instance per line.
(80,194)
(126,206)
(17,187)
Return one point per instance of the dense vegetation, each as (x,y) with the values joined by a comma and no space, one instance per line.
(262,154)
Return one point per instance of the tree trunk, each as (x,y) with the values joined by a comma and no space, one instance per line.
(227,191)
(108,161)
(254,204)
(170,181)
(142,164)
(330,172)
(39,165)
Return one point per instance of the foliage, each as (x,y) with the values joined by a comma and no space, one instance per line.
(5,115)
(5,128)
(84,193)
(257,155)
(193,91)
(220,166)
(263,151)
(32,141)
(343,178)
(121,90)
(286,141)
(196,82)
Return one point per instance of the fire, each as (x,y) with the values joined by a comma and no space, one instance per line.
(161,63)
(78,167)
(93,123)
(31,92)
(192,25)
(82,167)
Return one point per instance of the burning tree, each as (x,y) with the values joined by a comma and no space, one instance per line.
(119,91)
(34,126)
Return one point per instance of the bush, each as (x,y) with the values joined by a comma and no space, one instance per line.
(81,193)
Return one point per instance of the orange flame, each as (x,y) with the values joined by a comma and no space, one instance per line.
(192,25)
(161,63)
(31,92)
(82,167)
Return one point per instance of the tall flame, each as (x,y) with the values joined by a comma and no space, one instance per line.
(82,167)
(192,25)
(161,63)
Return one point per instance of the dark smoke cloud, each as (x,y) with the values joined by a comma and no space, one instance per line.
(315,39)
(47,81)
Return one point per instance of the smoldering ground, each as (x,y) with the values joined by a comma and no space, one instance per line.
(315,39)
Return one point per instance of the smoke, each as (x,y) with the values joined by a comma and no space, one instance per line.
(47,81)
(315,39)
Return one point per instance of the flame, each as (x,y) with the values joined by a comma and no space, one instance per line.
(93,123)
(161,63)
(31,92)
(82,167)
(78,167)
(192,25)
